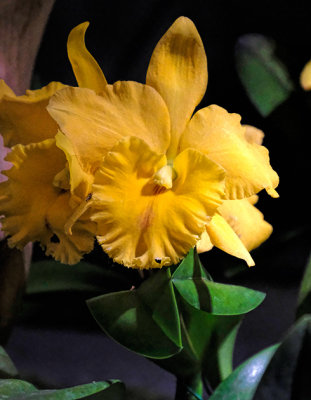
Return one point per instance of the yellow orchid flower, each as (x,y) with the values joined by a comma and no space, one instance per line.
(36,210)
(157,175)
(35,200)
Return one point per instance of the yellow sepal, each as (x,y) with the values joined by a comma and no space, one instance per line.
(87,72)
(178,71)
(223,236)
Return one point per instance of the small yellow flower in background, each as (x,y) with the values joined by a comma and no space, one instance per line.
(157,179)
(35,199)
(305,77)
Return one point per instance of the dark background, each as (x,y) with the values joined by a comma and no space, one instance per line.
(61,345)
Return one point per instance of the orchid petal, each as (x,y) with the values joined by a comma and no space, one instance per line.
(204,244)
(142,225)
(28,193)
(69,249)
(24,119)
(34,209)
(221,137)
(76,176)
(94,124)
(253,135)
(246,221)
(5,90)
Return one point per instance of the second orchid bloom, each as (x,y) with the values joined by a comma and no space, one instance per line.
(131,164)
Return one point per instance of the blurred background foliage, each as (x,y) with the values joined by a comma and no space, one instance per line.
(121,37)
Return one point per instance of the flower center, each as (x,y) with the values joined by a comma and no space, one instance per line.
(165,176)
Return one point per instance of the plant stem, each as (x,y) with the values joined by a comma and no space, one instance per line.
(189,389)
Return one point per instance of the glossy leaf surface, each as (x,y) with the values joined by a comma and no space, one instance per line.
(278,372)
(262,74)
(202,293)
(144,320)
(13,389)
(304,297)
(242,383)
(287,376)
(208,342)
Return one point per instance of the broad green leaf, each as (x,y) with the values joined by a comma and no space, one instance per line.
(242,383)
(208,342)
(13,389)
(287,376)
(278,372)
(226,331)
(52,276)
(304,297)
(201,327)
(216,298)
(145,320)
(157,293)
(262,74)
(7,368)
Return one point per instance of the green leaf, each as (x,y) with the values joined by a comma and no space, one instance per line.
(202,293)
(157,293)
(13,389)
(7,368)
(150,322)
(242,383)
(304,297)
(287,376)
(264,77)
(281,371)
(208,342)
(145,320)
(52,276)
